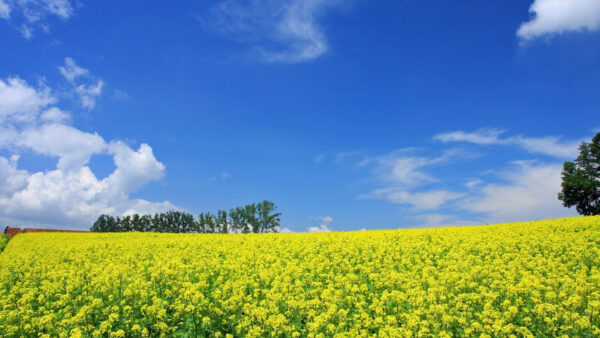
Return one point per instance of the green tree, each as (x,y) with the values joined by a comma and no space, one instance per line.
(125,224)
(105,223)
(268,219)
(206,223)
(222,222)
(159,223)
(581,179)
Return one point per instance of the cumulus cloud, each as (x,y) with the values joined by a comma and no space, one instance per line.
(30,14)
(528,192)
(547,145)
(54,114)
(19,102)
(69,195)
(324,227)
(281,30)
(560,16)
(73,147)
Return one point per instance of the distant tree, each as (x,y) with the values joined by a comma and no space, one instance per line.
(581,179)
(249,216)
(105,223)
(222,222)
(136,223)
(236,217)
(268,219)
(177,221)
(256,217)
(159,223)
(124,224)
(206,223)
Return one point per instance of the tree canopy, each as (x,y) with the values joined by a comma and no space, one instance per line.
(581,179)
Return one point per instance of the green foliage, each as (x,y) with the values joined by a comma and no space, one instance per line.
(3,242)
(253,218)
(581,179)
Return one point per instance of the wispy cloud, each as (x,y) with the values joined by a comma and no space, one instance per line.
(4,10)
(425,200)
(528,192)
(70,70)
(559,16)
(279,30)
(86,92)
(547,145)
(32,14)
(404,168)
(433,195)
(403,174)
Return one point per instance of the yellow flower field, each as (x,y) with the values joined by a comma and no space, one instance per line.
(535,278)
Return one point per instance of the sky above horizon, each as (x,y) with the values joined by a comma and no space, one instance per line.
(348,114)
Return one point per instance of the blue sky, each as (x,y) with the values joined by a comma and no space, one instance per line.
(347,114)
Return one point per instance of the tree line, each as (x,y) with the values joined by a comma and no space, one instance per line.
(252,218)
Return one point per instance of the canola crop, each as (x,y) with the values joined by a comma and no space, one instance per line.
(522,279)
(3,242)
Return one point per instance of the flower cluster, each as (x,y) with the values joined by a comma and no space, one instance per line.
(521,279)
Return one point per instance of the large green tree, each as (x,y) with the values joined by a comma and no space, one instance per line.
(581,179)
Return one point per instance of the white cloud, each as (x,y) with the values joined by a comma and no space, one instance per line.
(4,10)
(86,92)
(473,183)
(71,70)
(324,227)
(54,114)
(281,30)
(524,191)
(529,193)
(12,179)
(548,145)
(559,16)
(405,170)
(401,172)
(19,102)
(72,146)
(32,13)
(70,195)
(69,199)
(134,168)
(426,200)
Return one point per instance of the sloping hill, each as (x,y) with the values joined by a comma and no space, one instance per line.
(540,278)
